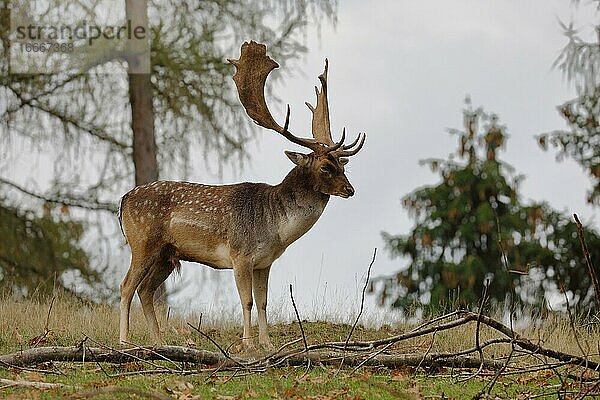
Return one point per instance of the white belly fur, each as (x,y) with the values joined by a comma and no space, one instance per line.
(197,242)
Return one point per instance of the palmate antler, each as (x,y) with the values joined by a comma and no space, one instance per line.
(252,69)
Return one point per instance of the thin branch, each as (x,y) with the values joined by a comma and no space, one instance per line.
(80,202)
(362,300)
(161,356)
(362,305)
(588,260)
(95,132)
(299,321)
(478,330)
(224,352)
(46,326)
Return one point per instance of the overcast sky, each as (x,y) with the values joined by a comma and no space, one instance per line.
(399,71)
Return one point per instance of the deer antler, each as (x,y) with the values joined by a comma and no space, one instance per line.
(346,152)
(252,69)
(321,128)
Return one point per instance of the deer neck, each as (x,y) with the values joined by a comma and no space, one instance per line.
(302,204)
(297,190)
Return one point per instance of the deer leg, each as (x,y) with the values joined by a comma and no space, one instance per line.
(260,284)
(137,271)
(243,281)
(146,291)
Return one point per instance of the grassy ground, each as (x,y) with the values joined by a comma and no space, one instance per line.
(71,320)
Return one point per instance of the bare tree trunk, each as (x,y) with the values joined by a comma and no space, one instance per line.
(142,113)
(142,123)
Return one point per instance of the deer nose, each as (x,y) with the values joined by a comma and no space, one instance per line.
(350,190)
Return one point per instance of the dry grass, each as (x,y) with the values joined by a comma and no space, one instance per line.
(71,320)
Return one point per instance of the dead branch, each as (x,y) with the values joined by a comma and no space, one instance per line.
(75,354)
(526,344)
(298,318)
(185,354)
(588,260)
(362,299)
(47,325)
(224,352)
(362,305)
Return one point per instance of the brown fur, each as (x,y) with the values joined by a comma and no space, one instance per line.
(244,227)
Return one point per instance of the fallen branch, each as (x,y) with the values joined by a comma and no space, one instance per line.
(526,344)
(185,354)
(74,354)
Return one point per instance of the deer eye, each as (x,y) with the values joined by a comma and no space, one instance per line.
(325,169)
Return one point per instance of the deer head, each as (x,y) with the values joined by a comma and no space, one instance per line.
(325,163)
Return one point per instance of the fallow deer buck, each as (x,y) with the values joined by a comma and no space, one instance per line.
(245,226)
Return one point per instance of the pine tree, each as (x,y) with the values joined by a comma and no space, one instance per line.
(472,227)
(40,254)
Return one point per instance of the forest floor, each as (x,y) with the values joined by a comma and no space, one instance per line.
(67,322)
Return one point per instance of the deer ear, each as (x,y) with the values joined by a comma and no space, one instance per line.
(298,158)
(344,161)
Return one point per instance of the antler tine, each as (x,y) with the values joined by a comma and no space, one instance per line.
(252,69)
(321,130)
(351,145)
(309,143)
(348,153)
(336,145)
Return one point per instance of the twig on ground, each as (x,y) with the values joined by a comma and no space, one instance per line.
(478,330)
(217,345)
(372,356)
(435,320)
(29,369)
(528,345)
(90,350)
(128,354)
(572,324)
(298,318)
(501,370)
(429,348)
(158,354)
